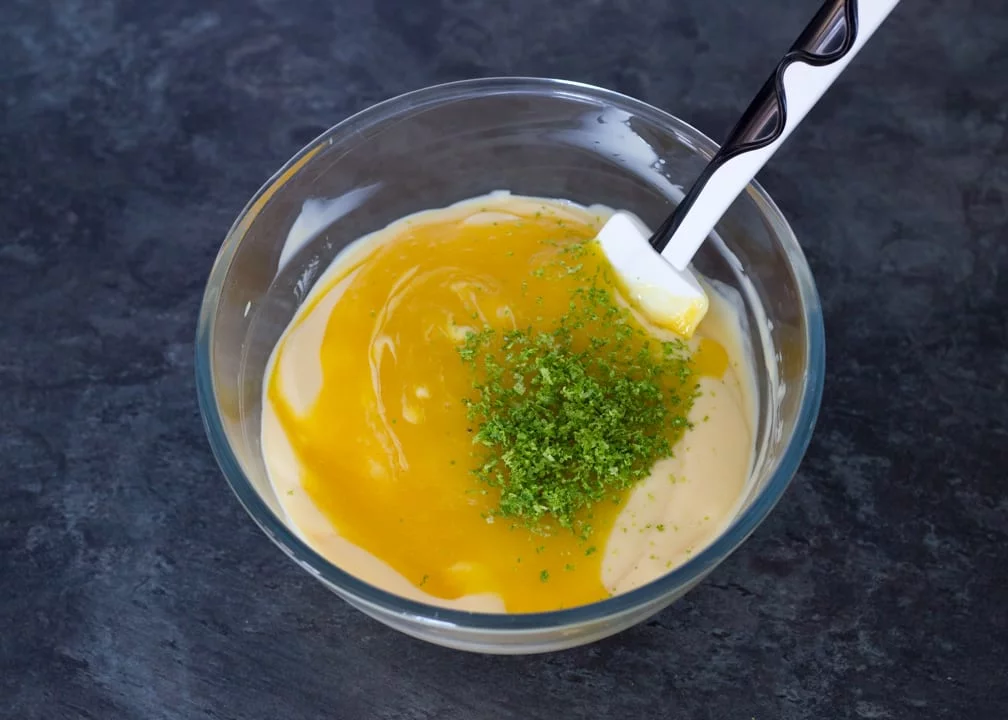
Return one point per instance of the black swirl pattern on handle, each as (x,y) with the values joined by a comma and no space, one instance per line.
(827,38)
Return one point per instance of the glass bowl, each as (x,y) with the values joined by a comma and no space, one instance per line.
(439,145)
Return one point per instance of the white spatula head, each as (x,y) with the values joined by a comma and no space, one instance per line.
(670,298)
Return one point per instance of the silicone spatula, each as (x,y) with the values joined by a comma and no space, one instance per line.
(655,266)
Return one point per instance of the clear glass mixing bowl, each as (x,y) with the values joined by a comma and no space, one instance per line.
(433,147)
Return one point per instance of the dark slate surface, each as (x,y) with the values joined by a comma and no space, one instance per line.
(132,585)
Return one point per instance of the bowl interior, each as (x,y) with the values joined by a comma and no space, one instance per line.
(441,145)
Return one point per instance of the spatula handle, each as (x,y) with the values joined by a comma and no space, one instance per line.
(818,56)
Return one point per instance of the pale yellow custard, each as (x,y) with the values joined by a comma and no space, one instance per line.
(369,448)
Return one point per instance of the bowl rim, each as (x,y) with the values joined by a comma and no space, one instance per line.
(649,594)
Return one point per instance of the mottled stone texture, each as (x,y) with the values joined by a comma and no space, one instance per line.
(132,585)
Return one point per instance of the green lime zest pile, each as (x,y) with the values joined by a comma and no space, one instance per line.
(571,415)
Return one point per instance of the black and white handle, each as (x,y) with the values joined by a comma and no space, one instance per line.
(818,56)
